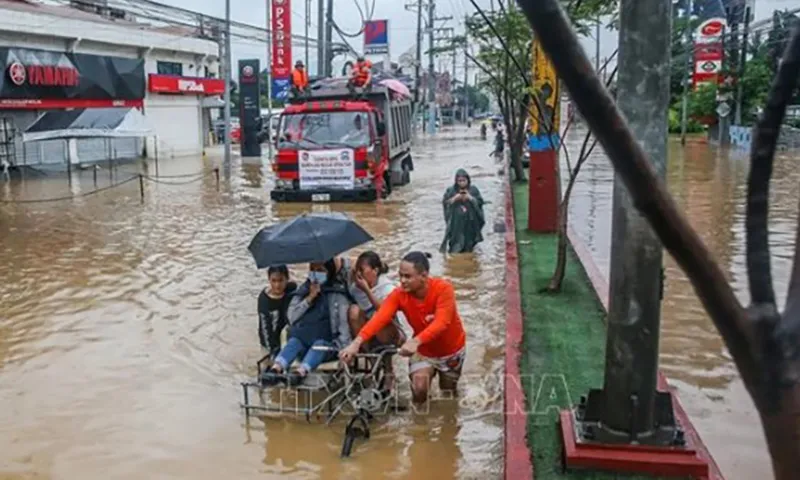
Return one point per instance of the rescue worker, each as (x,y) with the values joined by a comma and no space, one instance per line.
(299,79)
(361,77)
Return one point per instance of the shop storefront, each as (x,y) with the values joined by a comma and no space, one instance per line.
(36,81)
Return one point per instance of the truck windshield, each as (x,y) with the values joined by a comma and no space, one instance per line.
(328,129)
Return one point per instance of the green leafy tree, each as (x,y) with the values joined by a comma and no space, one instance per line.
(507,63)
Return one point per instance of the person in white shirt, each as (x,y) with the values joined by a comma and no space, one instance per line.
(369,287)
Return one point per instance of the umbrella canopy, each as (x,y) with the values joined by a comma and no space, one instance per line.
(311,237)
(397,86)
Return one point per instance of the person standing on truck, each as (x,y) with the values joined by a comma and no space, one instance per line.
(299,79)
(361,77)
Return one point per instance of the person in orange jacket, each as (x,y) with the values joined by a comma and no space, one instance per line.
(429,306)
(299,79)
(361,76)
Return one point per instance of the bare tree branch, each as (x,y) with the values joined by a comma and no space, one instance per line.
(630,162)
(761,158)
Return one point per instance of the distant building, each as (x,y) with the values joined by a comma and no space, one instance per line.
(89,55)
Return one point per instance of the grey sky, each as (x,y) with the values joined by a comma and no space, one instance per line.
(402,23)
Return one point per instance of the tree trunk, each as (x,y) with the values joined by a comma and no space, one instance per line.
(762,342)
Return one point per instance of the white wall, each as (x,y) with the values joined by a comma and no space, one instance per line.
(176,119)
(22,23)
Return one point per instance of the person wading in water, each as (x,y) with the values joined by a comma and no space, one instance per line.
(429,305)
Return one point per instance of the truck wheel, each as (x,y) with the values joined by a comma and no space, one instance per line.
(387,184)
(406,174)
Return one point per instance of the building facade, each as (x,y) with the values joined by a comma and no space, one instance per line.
(63,58)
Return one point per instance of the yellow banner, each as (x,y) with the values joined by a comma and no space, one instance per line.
(545,88)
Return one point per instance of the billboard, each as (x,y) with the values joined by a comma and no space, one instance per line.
(32,78)
(281,30)
(376,37)
(250,106)
(545,88)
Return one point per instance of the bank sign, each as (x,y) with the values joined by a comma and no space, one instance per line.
(281,30)
(41,79)
(376,37)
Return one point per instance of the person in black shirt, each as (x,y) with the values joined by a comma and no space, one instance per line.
(272,305)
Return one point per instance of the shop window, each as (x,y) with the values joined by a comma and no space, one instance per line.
(170,68)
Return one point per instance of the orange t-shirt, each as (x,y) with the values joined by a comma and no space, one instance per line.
(435,319)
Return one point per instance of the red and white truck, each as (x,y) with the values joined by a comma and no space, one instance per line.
(335,146)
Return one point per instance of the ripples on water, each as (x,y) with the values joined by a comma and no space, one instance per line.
(126,328)
(710,188)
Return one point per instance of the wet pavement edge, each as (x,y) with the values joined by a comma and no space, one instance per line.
(517,454)
(599,285)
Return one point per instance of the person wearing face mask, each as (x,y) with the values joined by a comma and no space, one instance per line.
(317,316)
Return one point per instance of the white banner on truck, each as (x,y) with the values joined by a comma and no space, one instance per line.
(326,168)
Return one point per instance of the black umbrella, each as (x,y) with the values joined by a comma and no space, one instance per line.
(311,237)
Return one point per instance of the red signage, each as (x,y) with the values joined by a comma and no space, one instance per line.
(712,28)
(707,63)
(48,104)
(43,75)
(281,39)
(185,85)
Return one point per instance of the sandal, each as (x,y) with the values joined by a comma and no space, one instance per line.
(272,377)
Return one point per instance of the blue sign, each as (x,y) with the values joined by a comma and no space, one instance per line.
(281,88)
(376,37)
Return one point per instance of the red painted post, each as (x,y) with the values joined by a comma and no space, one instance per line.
(543,184)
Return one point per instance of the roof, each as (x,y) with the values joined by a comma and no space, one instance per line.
(88,122)
(25,16)
(60,11)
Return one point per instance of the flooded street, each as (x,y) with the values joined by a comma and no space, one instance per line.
(126,329)
(710,188)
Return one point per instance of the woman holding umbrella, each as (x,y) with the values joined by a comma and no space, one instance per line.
(317,318)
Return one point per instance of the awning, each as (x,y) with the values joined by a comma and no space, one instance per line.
(88,122)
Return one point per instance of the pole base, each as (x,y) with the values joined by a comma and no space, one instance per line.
(676,461)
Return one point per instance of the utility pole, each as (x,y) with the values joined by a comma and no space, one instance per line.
(227,94)
(466,75)
(329,39)
(629,409)
(321,46)
(269,77)
(689,68)
(308,24)
(597,46)
(417,69)
(742,66)
(431,79)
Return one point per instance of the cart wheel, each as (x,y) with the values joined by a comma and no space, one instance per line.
(347,446)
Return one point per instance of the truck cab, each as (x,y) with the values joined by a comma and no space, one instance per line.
(335,146)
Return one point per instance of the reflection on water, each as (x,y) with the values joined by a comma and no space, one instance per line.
(710,188)
(126,328)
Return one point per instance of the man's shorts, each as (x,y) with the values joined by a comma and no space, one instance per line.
(449,366)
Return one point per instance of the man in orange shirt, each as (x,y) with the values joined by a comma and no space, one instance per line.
(429,305)
(361,75)
(299,79)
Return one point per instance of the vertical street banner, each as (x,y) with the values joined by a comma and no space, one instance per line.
(376,37)
(708,52)
(544,124)
(281,30)
(250,106)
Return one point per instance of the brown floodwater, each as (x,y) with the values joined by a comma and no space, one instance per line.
(126,327)
(710,186)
